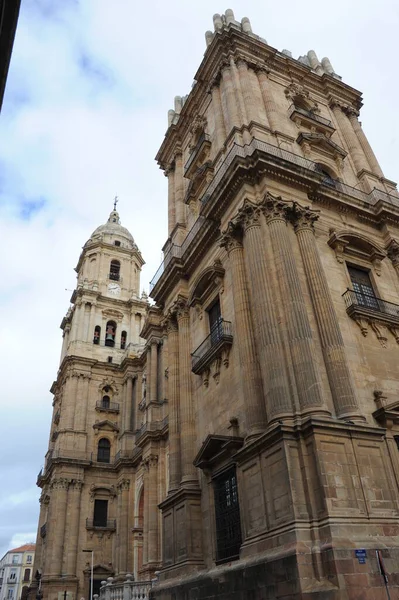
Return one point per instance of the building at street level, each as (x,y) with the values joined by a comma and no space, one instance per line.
(16,572)
(239,437)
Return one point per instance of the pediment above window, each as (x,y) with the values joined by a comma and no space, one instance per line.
(316,145)
(209,280)
(387,413)
(105,425)
(102,490)
(348,244)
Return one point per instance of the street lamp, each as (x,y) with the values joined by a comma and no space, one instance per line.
(92,565)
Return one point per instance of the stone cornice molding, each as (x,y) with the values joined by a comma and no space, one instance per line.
(98,489)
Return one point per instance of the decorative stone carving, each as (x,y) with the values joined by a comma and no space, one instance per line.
(363,324)
(395,332)
(123,485)
(101,489)
(274,208)
(381,332)
(248,215)
(349,244)
(231,238)
(205,377)
(303,217)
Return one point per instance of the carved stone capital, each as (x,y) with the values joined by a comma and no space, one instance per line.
(303,218)
(181,308)
(249,215)
(170,323)
(274,208)
(123,485)
(169,169)
(351,111)
(62,483)
(393,252)
(150,461)
(231,238)
(76,485)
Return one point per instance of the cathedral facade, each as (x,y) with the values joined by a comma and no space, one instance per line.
(239,436)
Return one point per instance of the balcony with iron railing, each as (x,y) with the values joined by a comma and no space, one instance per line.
(309,114)
(221,337)
(152,429)
(112,407)
(370,307)
(108,525)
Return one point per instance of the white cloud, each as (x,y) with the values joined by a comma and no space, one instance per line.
(85,111)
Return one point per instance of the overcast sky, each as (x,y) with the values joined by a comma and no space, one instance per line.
(85,110)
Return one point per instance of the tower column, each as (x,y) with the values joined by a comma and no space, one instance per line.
(92,322)
(69,401)
(371,158)
(255,412)
(247,92)
(268,99)
(151,464)
(242,109)
(123,490)
(270,348)
(341,384)
(170,174)
(229,99)
(57,523)
(174,419)
(128,403)
(81,402)
(179,189)
(187,417)
(72,529)
(154,371)
(220,129)
(351,141)
(298,326)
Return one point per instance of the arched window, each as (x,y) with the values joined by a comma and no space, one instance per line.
(97,334)
(110,334)
(114,270)
(105,401)
(104,451)
(123,340)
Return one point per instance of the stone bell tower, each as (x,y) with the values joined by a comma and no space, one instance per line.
(85,483)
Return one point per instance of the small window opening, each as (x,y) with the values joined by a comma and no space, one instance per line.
(110,359)
(100,515)
(105,403)
(104,451)
(215,322)
(227,513)
(97,334)
(110,334)
(396,438)
(362,287)
(117,243)
(123,340)
(114,271)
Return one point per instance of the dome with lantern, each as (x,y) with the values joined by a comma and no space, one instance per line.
(112,231)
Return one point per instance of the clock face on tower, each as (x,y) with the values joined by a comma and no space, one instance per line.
(114,289)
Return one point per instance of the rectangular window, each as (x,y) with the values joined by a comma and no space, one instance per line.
(10,594)
(362,287)
(100,513)
(29,559)
(227,512)
(13,574)
(15,559)
(215,322)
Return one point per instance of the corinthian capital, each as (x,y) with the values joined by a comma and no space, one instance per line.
(249,215)
(180,308)
(231,238)
(303,218)
(274,208)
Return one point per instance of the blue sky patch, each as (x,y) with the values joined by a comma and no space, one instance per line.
(29,208)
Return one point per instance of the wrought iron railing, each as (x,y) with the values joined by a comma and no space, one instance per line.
(151,426)
(220,332)
(43,530)
(175,251)
(100,524)
(194,153)
(111,406)
(367,301)
(310,114)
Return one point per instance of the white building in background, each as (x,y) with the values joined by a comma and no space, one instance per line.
(16,572)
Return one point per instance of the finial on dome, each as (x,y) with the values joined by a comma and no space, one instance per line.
(116,200)
(114,216)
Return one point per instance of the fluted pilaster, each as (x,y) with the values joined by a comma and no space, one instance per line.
(298,326)
(220,129)
(255,412)
(242,110)
(72,527)
(170,174)
(229,100)
(351,141)
(151,464)
(247,92)
(174,416)
(340,379)
(123,489)
(268,100)
(59,498)
(128,403)
(82,394)
(187,417)
(269,343)
(179,189)
(69,401)
(154,372)
(364,143)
